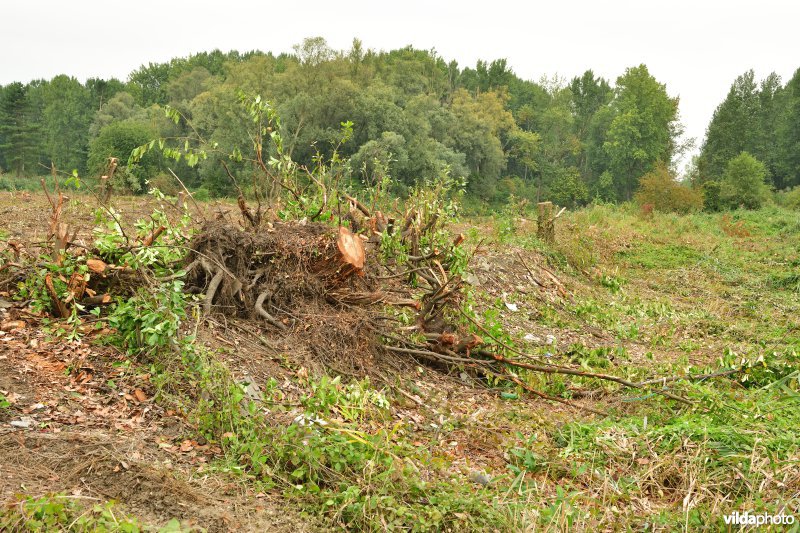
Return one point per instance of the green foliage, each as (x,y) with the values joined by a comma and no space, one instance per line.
(65,121)
(734,128)
(508,218)
(761,119)
(744,183)
(60,272)
(568,189)
(150,320)
(664,193)
(604,188)
(789,198)
(413,115)
(325,459)
(120,139)
(643,129)
(712,200)
(19,130)
(202,194)
(59,512)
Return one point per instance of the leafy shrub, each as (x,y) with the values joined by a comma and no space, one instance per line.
(165,183)
(603,190)
(568,189)
(789,198)
(744,183)
(660,189)
(202,194)
(711,196)
(119,139)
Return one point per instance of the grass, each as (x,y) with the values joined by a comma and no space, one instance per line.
(667,296)
(704,291)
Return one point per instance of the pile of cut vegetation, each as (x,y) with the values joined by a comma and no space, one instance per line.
(310,282)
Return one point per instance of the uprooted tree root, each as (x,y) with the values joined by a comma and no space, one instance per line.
(300,280)
(304,281)
(338,296)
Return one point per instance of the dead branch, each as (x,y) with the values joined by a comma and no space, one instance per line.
(361,207)
(97,300)
(153,235)
(190,195)
(690,377)
(544,396)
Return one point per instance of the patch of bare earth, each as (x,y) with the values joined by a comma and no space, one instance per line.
(82,421)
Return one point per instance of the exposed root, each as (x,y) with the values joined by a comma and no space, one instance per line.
(212,291)
(263,312)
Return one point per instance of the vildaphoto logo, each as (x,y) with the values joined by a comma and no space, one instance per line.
(753,519)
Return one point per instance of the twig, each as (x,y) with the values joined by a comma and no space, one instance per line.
(533,277)
(191,197)
(434,355)
(690,377)
(554,398)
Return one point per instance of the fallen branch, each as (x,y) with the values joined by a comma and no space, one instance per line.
(153,235)
(97,300)
(690,377)
(554,398)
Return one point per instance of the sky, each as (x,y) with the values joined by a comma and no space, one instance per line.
(695,47)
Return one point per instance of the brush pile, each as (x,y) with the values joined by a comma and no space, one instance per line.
(357,293)
(336,292)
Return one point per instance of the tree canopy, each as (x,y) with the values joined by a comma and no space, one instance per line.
(413,113)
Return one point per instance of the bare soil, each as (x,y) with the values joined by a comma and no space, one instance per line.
(82,422)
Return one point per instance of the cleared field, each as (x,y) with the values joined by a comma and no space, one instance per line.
(650,300)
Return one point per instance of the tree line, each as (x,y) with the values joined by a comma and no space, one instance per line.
(413,115)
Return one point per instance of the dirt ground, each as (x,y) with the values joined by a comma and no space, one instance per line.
(82,422)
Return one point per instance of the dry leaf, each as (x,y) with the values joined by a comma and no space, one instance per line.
(12,324)
(140,395)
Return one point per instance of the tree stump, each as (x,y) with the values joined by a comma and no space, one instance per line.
(545,223)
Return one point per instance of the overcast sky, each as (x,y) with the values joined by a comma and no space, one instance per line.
(696,47)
